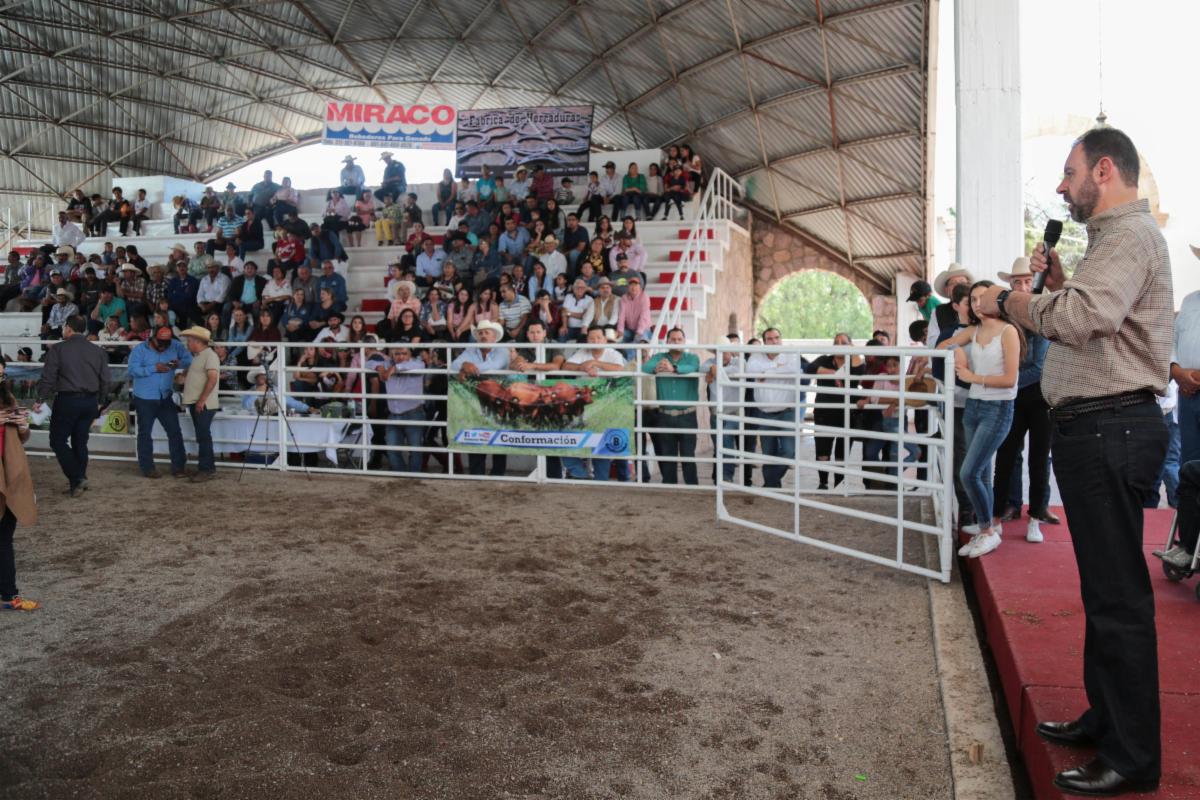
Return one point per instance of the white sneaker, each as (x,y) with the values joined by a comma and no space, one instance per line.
(966,548)
(972,529)
(986,543)
(1033,533)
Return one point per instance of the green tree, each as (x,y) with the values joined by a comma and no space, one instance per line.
(1071,245)
(816,305)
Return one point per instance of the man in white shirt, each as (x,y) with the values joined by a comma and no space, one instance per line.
(776,405)
(67,233)
(429,263)
(730,362)
(594,359)
(519,188)
(214,288)
(610,184)
(578,309)
(334,330)
(554,261)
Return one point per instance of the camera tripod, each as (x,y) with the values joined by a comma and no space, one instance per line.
(260,406)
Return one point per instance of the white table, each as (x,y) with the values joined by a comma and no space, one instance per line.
(231,434)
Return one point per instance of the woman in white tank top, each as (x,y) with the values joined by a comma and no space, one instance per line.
(988,357)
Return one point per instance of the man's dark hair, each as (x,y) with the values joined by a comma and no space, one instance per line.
(536,321)
(131,249)
(77,323)
(676,329)
(918,330)
(880,333)
(1099,143)
(596,328)
(770,330)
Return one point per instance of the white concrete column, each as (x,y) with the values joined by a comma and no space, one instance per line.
(988,91)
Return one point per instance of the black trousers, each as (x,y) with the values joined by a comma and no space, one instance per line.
(8,563)
(70,423)
(827,446)
(477,464)
(1106,462)
(1030,415)
(1189,505)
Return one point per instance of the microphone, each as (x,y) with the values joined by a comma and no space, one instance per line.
(1049,239)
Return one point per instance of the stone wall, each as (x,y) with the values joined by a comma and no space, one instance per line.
(730,308)
(779,253)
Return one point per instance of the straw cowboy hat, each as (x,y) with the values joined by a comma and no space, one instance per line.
(133,267)
(348,159)
(65,250)
(385,155)
(488,325)
(196,332)
(412,288)
(943,277)
(1020,269)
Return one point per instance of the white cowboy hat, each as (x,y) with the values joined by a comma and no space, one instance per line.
(133,267)
(386,154)
(253,374)
(65,250)
(939,283)
(179,246)
(488,325)
(196,332)
(1020,269)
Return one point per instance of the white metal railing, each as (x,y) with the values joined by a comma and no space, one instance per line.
(716,204)
(735,427)
(18,226)
(930,474)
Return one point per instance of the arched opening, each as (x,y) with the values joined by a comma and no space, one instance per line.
(816,304)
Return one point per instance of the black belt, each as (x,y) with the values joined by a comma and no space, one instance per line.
(1080,407)
(77,394)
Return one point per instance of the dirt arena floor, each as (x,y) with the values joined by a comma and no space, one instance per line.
(349,638)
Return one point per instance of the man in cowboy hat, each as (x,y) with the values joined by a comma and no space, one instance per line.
(59,313)
(1030,415)
(258,378)
(200,396)
(152,366)
(63,257)
(131,287)
(394,182)
(351,179)
(469,364)
(944,316)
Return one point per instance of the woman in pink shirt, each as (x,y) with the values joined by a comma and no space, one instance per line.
(364,217)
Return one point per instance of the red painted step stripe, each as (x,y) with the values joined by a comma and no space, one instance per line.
(668,277)
(372,304)
(656,303)
(677,255)
(686,234)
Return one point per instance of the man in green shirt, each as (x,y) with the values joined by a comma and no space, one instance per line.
(677,388)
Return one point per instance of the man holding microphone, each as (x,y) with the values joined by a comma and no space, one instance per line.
(1110,333)
(152,365)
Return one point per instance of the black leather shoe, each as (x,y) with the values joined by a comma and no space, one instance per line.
(1094,779)
(1011,513)
(1068,733)
(1044,515)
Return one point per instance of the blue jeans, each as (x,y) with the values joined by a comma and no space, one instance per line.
(985,424)
(729,441)
(166,413)
(202,422)
(576,469)
(1169,474)
(401,435)
(879,450)
(71,419)
(777,442)
(1189,427)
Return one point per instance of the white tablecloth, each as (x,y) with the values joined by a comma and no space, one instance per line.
(312,434)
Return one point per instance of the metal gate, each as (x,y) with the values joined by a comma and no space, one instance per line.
(775,413)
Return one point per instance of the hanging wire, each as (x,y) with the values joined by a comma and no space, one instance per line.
(1101,118)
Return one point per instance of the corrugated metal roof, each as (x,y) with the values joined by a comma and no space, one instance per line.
(820,110)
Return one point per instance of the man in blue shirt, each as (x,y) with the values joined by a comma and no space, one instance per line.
(335,283)
(429,263)
(250,401)
(512,243)
(152,366)
(471,362)
(1030,415)
(181,295)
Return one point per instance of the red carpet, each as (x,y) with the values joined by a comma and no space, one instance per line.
(1029,599)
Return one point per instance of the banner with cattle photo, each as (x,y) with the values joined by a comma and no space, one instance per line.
(425,127)
(580,417)
(559,138)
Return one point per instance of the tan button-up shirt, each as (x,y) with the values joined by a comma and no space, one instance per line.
(1110,326)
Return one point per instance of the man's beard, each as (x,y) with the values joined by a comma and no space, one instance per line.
(1083,205)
